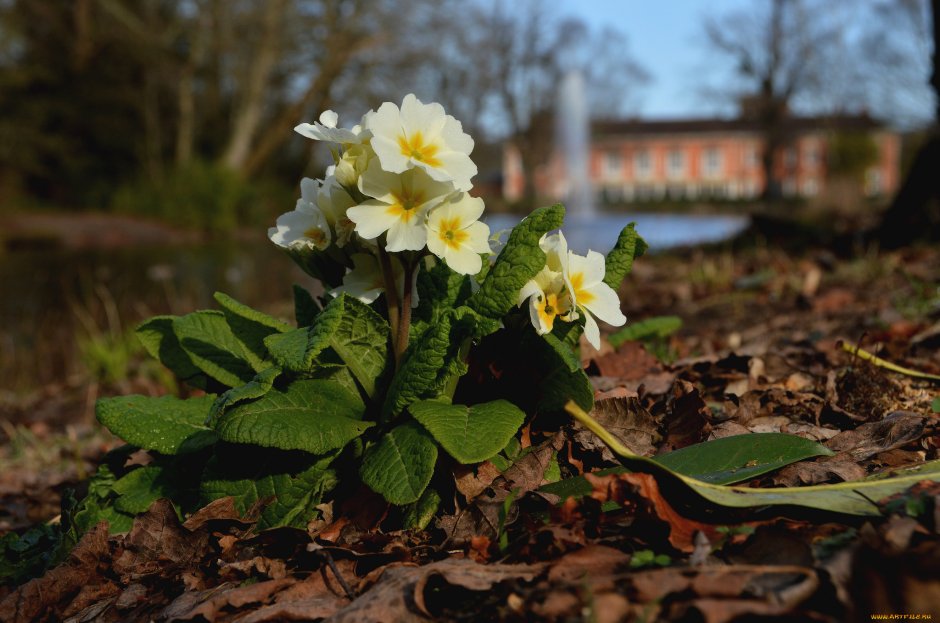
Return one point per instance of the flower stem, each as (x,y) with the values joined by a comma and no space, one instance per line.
(391,296)
(404,322)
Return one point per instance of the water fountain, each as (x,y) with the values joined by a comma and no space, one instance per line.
(572,138)
(587,228)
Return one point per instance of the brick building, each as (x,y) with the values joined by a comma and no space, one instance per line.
(702,159)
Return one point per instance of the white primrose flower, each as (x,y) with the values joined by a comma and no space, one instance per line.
(555,248)
(325,130)
(548,299)
(353,163)
(585,290)
(585,280)
(334,202)
(399,206)
(457,236)
(423,136)
(365,281)
(305,227)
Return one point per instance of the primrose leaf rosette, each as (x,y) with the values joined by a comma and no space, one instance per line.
(421,350)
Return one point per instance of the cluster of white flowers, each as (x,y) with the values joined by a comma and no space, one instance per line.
(570,285)
(402,172)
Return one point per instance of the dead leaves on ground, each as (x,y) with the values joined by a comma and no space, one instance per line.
(758,354)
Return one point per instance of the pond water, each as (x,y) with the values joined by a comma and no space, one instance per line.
(48,298)
(661,231)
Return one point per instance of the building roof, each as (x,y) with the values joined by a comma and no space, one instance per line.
(631,127)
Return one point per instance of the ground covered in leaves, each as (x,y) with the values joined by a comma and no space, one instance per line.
(761,348)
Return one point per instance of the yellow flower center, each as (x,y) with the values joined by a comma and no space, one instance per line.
(414,147)
(450,233)
(582,296)
(548,310)
(316,234)
(405,204)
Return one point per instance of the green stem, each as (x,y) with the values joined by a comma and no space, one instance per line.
(404,322)
(391,295)
(463,355)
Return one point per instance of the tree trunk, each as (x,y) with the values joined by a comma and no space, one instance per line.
(909,217)
(187,115)
(153,128)
(251,106)
(317,97)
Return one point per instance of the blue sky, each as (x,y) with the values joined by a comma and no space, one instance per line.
(666,39)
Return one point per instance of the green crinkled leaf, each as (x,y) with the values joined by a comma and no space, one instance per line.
(352,330)
(311,415)
(305,307)
(208,340)
(658,327)
(166,424)
(569,334)
(161,343)
(469,434)
(418,516)
(741,457)
(256,388)
(439,290)
(620,259)
(399,467)
(140,488)
(850,498)
(435,359)
(291,494)
(95,507)
(249,326)
(519,261)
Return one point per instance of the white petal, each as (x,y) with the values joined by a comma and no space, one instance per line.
(555,248)
(309,188)
(389,154)
(329,118)
(378,183)
(592,332)
(407,236)
(372,218)
(594,268)
(458,167)
(463,260)
(453,134)
(479,237)
(530,289)
(540,327)
(605,305)
(414,115)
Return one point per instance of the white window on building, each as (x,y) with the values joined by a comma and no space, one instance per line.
(789,187)
(613,165)
(643,164)
(790,157)
(675,163)
(711,162)
(810,187)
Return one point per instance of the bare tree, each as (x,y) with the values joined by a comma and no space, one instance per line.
(775,50)
(529,50)
(909,217)
(895,51)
